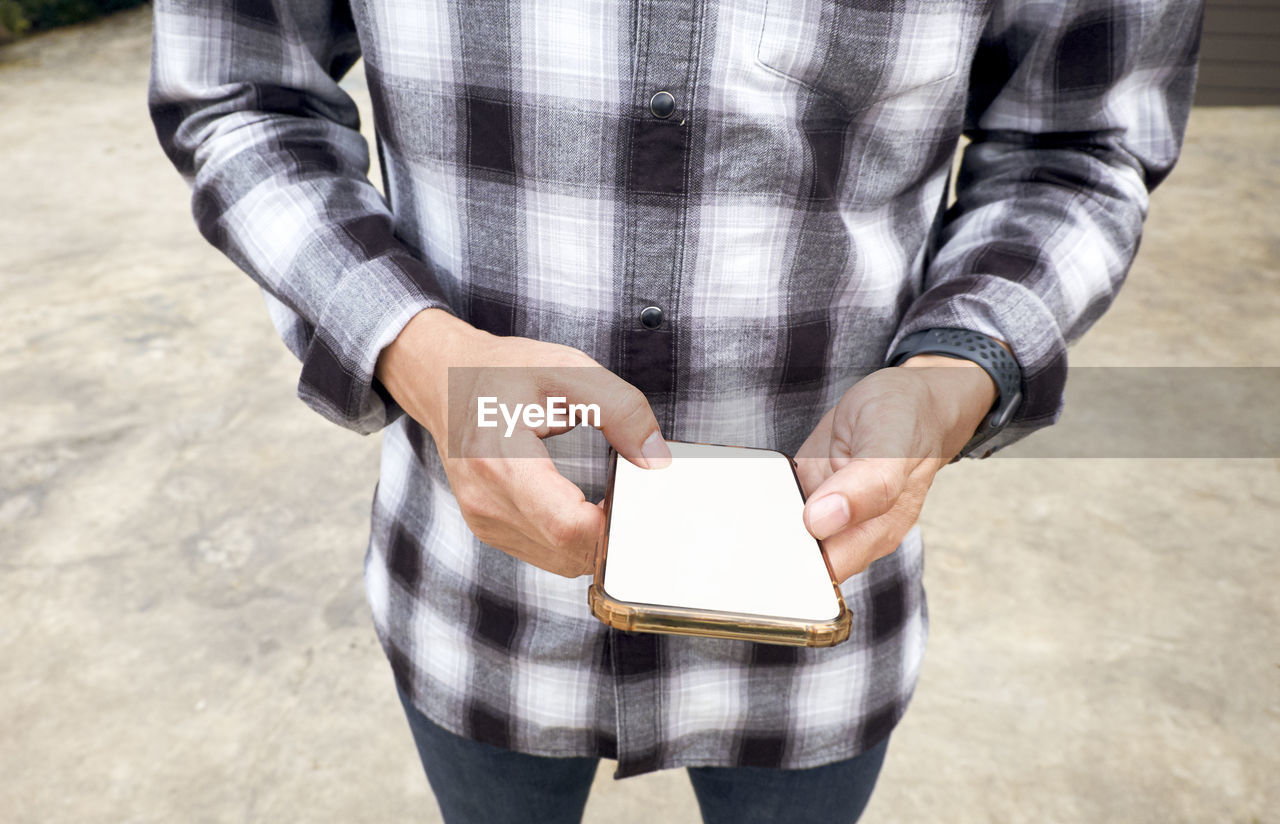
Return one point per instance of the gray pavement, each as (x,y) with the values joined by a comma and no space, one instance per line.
(182,625)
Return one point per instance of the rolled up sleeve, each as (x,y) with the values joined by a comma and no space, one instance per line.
(246,103)
(1076,112)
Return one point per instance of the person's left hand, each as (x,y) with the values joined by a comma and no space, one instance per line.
(869,463)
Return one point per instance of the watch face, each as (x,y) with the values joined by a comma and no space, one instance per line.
(1004,411)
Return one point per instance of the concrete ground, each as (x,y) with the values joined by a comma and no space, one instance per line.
(182,625)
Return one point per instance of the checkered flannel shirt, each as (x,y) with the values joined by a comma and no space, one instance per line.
(789,218)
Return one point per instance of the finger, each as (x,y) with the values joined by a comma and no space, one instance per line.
(511,470)
(553,510)
(862,489)
(870,475)
(626,419)
(850,551)
(855,548)
(813,458)
(570,535)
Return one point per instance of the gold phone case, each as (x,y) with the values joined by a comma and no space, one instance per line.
(638,617)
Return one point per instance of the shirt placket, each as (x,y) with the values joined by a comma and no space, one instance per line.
(655,207)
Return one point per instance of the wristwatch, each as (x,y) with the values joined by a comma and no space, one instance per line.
(983,350)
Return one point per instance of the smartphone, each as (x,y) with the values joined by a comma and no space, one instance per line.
(714,545)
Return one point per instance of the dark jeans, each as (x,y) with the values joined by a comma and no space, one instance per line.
(476,783)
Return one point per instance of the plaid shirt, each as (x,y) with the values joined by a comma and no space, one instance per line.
(789,218)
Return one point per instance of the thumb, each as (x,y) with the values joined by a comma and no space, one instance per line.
(862,489)
(626,419)
(873,451)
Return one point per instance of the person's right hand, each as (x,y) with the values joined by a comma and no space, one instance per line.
(508,489)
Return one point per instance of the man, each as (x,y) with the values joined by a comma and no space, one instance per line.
(738,209)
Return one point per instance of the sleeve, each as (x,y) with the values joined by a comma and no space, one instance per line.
(1076,112)
(245,100)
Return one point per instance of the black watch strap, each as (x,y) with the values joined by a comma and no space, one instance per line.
(982,350)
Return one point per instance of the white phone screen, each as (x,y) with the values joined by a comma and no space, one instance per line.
(720,529)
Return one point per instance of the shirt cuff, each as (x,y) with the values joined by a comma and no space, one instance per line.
(1012,313)
(368,308)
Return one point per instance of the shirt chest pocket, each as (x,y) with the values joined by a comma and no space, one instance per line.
(858,52)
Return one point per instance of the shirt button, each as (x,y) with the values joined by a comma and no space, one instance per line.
(663,105)
(651,317)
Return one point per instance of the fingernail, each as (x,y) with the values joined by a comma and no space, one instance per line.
(655,451)
(828,515)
